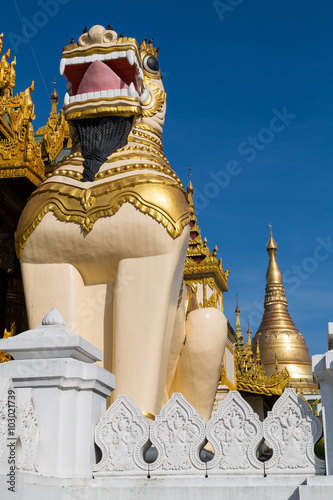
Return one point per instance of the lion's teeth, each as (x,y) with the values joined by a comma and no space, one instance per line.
(62,66)
(130,57)
(66,99)
(131,90)
(145,94)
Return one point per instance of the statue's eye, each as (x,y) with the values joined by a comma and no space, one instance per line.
(151,64)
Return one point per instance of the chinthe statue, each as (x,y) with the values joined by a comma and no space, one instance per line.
(104,238)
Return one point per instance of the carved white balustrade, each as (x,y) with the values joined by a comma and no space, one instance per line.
(235,432)
(292,430)
(178,433)
(122,436)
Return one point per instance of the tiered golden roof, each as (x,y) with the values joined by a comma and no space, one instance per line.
(279,340)
(21,155)
(250,372)
(202,266)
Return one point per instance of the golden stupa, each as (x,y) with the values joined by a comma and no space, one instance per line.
(279,340)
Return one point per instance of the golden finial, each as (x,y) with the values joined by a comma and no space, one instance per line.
(238,325)
(190,185)
(273,274)
(249,342)
(54,99)
(54,95)
(271,243)
(258,352)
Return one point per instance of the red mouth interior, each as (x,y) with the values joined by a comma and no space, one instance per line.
(101,75)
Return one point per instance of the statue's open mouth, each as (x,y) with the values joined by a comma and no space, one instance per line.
(115,75)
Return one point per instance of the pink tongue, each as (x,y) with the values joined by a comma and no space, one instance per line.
(100,77)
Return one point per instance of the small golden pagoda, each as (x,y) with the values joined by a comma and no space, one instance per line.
(55,134)
(279,340)
(203,273)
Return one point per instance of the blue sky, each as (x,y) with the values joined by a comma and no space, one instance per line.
(250,98)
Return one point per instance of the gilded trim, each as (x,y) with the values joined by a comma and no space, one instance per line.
(161,198)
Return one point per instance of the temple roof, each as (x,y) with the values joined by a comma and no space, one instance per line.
(23,154)
(250,372)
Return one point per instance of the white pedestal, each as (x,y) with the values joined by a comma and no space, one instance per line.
(69,392)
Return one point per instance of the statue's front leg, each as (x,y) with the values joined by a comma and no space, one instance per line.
(145,304)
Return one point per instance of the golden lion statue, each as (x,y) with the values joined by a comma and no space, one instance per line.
(104,238)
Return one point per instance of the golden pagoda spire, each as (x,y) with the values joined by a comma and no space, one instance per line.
(238,325)
(279,340)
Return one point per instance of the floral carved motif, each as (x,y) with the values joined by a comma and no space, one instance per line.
(178,433)
(122,435)
(292,430)
(235,432)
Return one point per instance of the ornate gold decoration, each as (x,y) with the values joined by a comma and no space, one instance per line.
(115,171)
(20,156)
(158,101)
(277,335)
(3,355)
(55,132)
(147,49)
(102,110)
(144,126)
(201,265)
(250,372)
(86,199)
(21,153)
(161,198)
